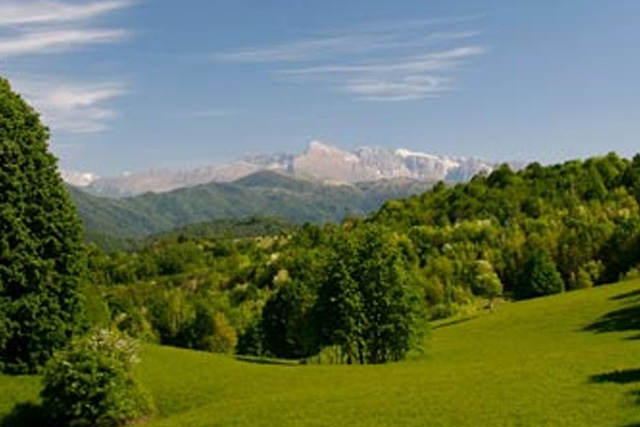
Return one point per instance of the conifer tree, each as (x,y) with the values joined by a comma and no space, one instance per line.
(41,251)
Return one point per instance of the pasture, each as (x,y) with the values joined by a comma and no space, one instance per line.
(566,360)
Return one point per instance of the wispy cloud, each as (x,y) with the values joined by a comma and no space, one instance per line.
(45,27)
(14,13)
(56,41)
(49,27)
(390,62)
(398,89)
(70,106)
(311,49)
(428,62)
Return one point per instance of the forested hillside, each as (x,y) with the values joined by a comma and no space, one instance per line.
(578,220)
(360,292)
(261,194)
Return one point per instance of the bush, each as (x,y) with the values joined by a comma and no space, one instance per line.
(485,281)
(90,383)
(540,277)
(225,338)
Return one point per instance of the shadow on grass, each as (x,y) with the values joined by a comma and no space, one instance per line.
(452,322)
(625,376)
(26,415)
(626,295)
(624,319)
(264,361)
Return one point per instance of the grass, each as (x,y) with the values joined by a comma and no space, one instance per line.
(567,360)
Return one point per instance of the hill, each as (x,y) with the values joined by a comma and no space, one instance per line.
(568,360)
(261,194)
(452,250)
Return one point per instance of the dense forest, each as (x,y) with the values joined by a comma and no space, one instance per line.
(363,290)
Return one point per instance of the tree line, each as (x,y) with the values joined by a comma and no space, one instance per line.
(365,289)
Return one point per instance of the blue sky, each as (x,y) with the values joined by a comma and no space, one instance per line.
(127,85)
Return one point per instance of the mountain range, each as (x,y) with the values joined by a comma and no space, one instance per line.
(264,193)
(319,161)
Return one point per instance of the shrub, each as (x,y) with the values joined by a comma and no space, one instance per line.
(485,281)
(250,341)
(540,276)
(90,382)
(210,331)
(224,337)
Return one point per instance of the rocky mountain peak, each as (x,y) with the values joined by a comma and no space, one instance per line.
(320,160)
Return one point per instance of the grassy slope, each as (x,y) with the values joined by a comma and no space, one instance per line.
(533,363)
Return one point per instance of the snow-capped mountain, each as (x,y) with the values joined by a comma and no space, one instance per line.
(320,161)
(79,179)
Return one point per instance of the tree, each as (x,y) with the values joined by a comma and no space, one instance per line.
(369,304)
(42,259)
(286,322)
(339,310)
(540,276)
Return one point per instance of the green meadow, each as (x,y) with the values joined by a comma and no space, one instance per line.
(567,360)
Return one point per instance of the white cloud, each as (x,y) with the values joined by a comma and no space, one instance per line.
(56,41)
(72,107)
(402,79)
(13,13)
(393,62)
(320,48)
(401,89)
(305,50)
(45,27)
(428,62)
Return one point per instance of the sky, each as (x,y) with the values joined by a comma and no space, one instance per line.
(130,85)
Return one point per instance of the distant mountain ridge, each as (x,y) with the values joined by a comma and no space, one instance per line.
(320,161)
(264,193)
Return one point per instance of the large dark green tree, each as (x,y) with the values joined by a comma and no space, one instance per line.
(41,251)
(540,276)
(369,304)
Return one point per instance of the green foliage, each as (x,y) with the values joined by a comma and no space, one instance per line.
(186,292)
(91,383)
(540,276)
(42,259)
(368,304)
(251,341)
(583,216)
(287,323)
(224,338)
(485,281)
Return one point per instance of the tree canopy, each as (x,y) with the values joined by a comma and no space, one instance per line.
(42,260)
